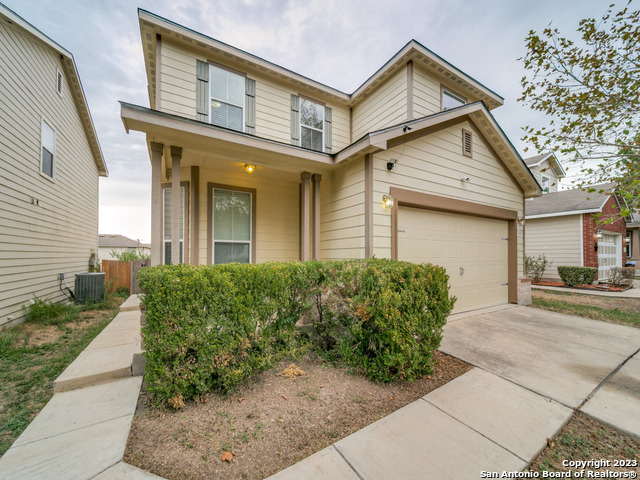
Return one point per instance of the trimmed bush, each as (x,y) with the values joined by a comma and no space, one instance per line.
(209,328)
(573,276)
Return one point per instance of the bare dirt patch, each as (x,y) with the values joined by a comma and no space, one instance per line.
(36,334)
(625,304)
(270,422)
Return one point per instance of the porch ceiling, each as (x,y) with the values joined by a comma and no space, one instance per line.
(209,141)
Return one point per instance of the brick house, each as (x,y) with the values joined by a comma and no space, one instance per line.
(571,227)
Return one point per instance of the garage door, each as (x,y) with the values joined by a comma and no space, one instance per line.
(473,250)
(609,254)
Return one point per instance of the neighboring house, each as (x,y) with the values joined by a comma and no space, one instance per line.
(568,228)
(260,163)
(547,170)
(632,239)
(50,161)
(120,244)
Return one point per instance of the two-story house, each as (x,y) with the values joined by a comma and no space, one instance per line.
(50,161)
(252,162)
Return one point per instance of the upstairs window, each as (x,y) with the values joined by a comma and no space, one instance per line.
(545,184)
(48,150)
(311,124)
(227,98)
(451,100)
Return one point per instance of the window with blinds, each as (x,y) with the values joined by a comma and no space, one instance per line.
(311,122)
(167,221)
(48,149)
(227,98)
(231,226)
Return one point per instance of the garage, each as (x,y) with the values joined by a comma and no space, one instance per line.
(474,250)
(609,253)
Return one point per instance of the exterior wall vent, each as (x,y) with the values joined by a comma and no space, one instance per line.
(90,287)
(59,82)
(467,143)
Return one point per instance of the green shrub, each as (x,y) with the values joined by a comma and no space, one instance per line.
(573,276)
(130,255)
(535,267)
(50,313)
(386,317)
(209,328)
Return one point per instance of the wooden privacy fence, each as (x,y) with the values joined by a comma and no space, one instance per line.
(123,274)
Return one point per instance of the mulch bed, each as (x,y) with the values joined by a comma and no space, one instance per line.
(604,287)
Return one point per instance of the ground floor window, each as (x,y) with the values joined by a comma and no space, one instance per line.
(628,243)
(167,222)
(232,226)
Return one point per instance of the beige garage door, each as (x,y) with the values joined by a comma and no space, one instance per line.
(473,250)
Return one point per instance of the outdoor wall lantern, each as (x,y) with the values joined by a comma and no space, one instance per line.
(387,201)
(597,236)
(249,168)
(521,221)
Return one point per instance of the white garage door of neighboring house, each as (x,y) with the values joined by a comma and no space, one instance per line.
(609,254)
(473,250)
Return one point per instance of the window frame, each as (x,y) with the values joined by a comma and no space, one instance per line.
(185,220)
(451,93)
(322,107)
(211,187)
(54,156)
(628,243)
(243,107)
(542,182)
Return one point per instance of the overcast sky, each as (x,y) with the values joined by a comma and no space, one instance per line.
(336,42)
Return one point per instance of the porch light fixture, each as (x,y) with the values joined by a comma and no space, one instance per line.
(249,168)
(387,201)
(596,236)
(521,221)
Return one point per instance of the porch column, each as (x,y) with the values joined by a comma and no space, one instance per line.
(156,202)
(176,155)
(305,201)
(316,215)
(195,216)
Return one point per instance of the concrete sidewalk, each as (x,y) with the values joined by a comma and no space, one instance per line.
(534,368)
(82,432)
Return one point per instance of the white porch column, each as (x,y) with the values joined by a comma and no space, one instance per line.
(305,202)
(176,155)
(156,202)
(316,215)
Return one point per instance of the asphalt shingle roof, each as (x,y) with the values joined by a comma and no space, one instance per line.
(119,241)
(576,200)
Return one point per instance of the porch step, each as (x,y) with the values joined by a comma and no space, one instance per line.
(108,357)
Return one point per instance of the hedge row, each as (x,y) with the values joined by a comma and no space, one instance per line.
(209,328)
(573,276)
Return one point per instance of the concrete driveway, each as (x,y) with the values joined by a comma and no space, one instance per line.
(564,358)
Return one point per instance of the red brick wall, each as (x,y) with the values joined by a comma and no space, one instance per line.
(591,223)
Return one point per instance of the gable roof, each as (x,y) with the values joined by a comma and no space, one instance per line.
(553,163)
(111,240)
(569,202)
(71,73)
(152,25)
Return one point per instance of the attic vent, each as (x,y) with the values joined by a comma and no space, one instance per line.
(59,82)
(467,143)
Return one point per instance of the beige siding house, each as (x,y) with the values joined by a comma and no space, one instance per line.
(578,228)
(547,170)
(51,161)
(259,163)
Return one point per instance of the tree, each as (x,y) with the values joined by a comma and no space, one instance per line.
(130,255)
(590,90)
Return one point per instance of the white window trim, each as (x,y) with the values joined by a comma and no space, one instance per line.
(445,91)
(244,97)
(184,222)
(309,126)
(213,228)
(51,178)
(628,244)
(542,179)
